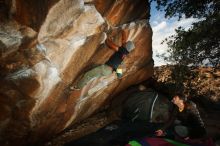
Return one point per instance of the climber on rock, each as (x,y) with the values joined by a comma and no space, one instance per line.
(186,120)
(112,64)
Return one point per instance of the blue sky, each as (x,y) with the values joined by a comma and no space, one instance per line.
(163,28)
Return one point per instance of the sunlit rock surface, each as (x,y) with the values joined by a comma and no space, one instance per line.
(45,46)
(195,82)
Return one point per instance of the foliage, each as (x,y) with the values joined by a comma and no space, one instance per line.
(188,8)
(201,42)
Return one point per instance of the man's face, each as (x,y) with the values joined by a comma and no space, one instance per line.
(176,99)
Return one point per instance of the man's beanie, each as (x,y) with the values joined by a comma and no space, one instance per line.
(129,46)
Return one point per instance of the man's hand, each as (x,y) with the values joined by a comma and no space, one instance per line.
(159,133)
(186,138)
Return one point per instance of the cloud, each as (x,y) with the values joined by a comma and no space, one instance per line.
(159,26)
(163,28)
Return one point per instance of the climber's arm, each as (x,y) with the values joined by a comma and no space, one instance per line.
(124,37)
(111,45)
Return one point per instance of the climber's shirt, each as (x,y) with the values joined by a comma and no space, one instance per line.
(97,72)
(117,58)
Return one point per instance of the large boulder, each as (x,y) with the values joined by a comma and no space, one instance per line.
(45,46)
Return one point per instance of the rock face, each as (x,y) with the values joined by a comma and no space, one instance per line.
(45,46)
